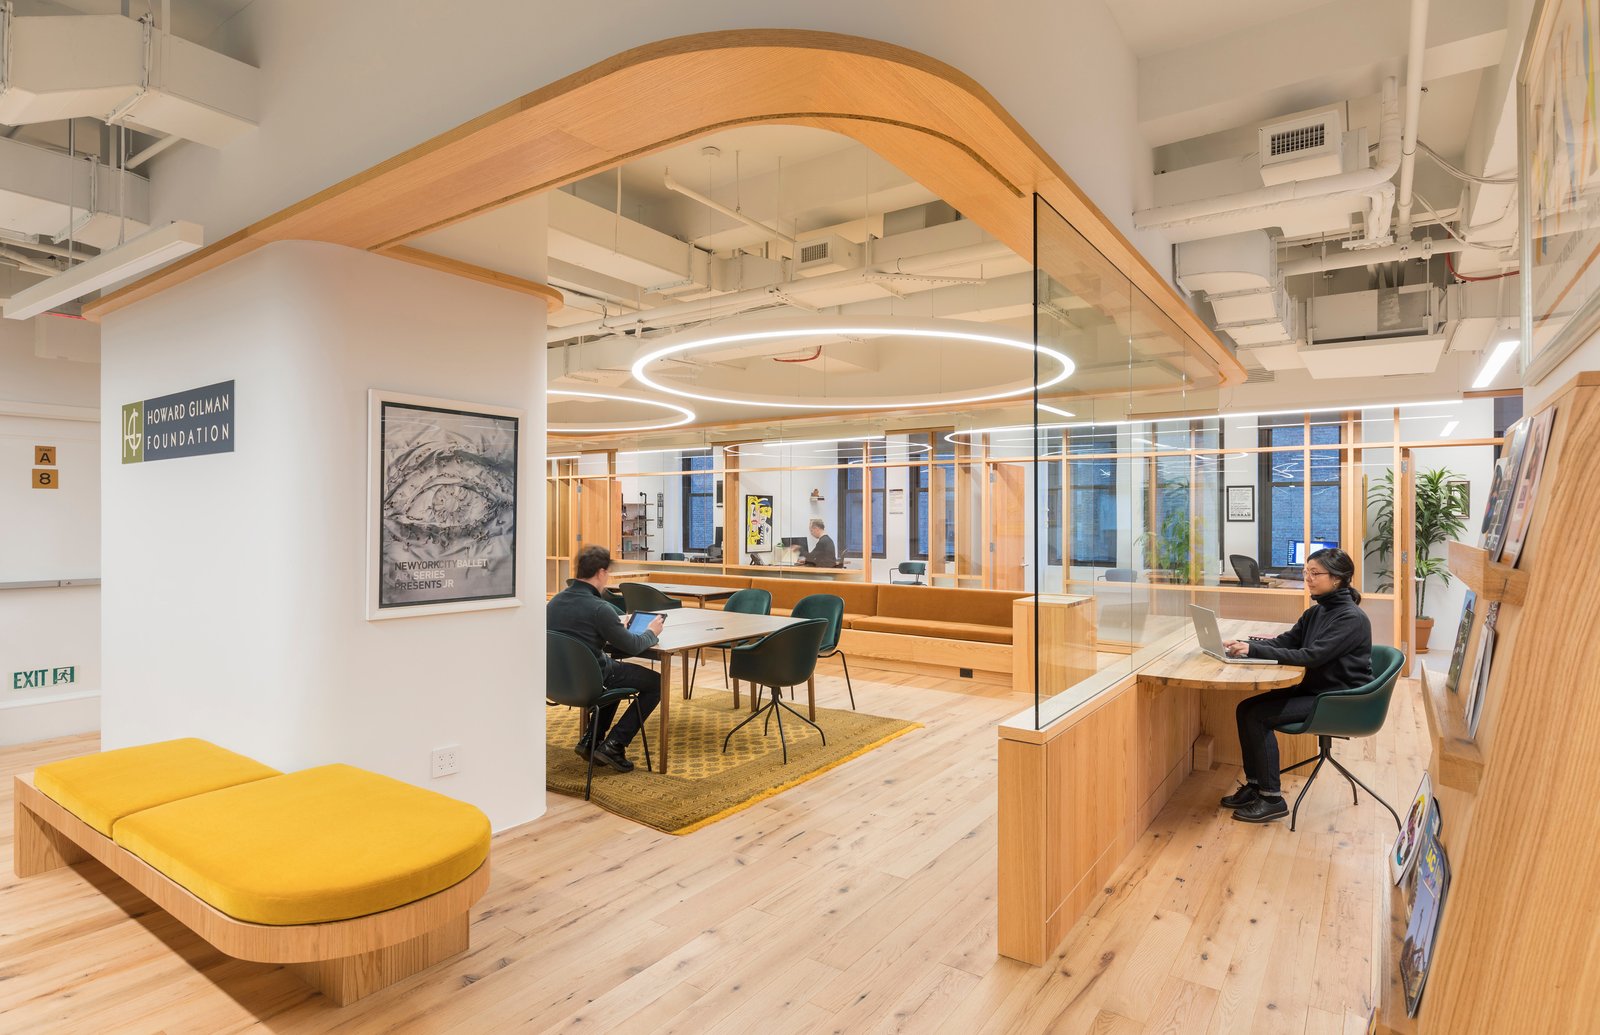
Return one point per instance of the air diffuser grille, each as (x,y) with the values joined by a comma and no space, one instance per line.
(1301,138)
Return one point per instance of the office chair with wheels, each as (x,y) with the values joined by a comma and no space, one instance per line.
(787,657)
(1246,568)
(641,596)
(828,608)
(744,602)
(917,568)
(1341,714)
(572,677)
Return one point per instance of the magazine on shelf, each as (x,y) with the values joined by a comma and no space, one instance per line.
(1404,855)
(1458,656)
(1480,671)
(1503,487)
(1432,888)
(1527,486)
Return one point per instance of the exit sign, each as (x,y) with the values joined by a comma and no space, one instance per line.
(39,677)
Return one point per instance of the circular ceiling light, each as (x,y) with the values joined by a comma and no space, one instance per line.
(684,415)
(789,332)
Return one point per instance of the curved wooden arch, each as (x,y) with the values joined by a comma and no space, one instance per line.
(929,119)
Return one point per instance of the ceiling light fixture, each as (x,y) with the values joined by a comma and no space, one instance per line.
(1057,412)
(1491,366)
(778,331)
(684,415)
(147,251)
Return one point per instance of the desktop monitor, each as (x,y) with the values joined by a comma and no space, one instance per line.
(798,541)
(1298,551)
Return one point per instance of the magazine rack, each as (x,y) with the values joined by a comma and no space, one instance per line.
(1517,937)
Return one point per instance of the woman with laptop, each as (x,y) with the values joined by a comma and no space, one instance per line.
(1333,642)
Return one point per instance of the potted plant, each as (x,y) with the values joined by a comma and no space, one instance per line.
(1441,515)
(1167,550)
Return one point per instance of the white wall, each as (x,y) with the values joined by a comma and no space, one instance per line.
(347,85)
(1476,464)
(49,534)
(235,583)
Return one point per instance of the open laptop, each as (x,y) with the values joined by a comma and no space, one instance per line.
(1205,630)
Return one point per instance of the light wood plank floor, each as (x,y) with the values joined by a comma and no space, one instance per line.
(862,901)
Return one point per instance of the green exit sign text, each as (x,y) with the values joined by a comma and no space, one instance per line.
(38,677)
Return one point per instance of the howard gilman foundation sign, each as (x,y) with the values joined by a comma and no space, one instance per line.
(191,423)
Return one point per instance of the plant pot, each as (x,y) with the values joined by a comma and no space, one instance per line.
(1424,630)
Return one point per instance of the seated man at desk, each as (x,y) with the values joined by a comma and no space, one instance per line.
(580,611)
(822,553)
(1333,642)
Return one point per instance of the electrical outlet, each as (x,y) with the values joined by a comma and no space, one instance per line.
(445,760)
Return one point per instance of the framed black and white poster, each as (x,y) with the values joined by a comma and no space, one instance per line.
(1241,503)
(442,506)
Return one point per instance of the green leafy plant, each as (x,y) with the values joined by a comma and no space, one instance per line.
(1441,515)
(1168,547)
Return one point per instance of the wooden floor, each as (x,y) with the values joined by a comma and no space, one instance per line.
(862,901)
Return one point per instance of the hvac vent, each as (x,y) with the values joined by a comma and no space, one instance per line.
(826,255)
(1260,377)
(1303,147)
(1292,141)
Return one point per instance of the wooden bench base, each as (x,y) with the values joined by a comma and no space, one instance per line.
(344,959)
(930,655)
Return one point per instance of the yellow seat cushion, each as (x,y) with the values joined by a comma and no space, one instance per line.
(101,789)
(322,844)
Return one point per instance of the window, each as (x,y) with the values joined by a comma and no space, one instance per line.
(1094,500)
(921,482)
(849,538)
(699,517)
(1282,521)
(1052,510)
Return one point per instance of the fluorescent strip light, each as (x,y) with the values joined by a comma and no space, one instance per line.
(1058,413)
(147,251)
(1448,428)
(1491,366)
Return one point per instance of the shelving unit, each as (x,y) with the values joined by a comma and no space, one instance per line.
(1517,805)
(635,533)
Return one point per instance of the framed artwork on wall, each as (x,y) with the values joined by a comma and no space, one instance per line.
(441,506)
(1241,503)
(757,523)
(1558,131)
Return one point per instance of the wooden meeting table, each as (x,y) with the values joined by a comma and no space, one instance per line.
(688,630)
(699,594)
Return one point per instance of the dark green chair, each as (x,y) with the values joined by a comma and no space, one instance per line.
(1341,714)
(916,568)
(615,599)
(744,602)
(828,608)
(641,596)
(787,657)
(572,678)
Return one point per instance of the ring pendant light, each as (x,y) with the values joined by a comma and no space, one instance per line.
(683,414)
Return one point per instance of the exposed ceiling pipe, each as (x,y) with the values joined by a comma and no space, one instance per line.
(731,213)
(741,301)
(1344,260)
(1408,148)
(1264,203)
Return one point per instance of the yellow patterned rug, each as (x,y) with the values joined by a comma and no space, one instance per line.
(704,785)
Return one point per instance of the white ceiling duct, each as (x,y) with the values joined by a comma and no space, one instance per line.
(121,71)
(44,193)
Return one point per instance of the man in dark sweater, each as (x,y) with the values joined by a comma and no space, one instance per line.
(580,611)
(822,555)
(1333,642)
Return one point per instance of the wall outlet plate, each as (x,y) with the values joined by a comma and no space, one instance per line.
(445,760)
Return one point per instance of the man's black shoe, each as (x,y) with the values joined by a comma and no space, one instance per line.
(614,755)
(582,748)
(1262,810)
(1241,797)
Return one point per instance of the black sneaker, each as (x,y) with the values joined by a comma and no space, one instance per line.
(614,755)
(1262,810)
(1246,794)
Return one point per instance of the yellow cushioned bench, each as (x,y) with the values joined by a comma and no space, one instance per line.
(354,879)
(102,789)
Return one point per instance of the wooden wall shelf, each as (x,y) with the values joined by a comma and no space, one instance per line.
(1490,580)
(1460,758)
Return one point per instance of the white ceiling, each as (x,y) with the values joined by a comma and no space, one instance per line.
(1156,26)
